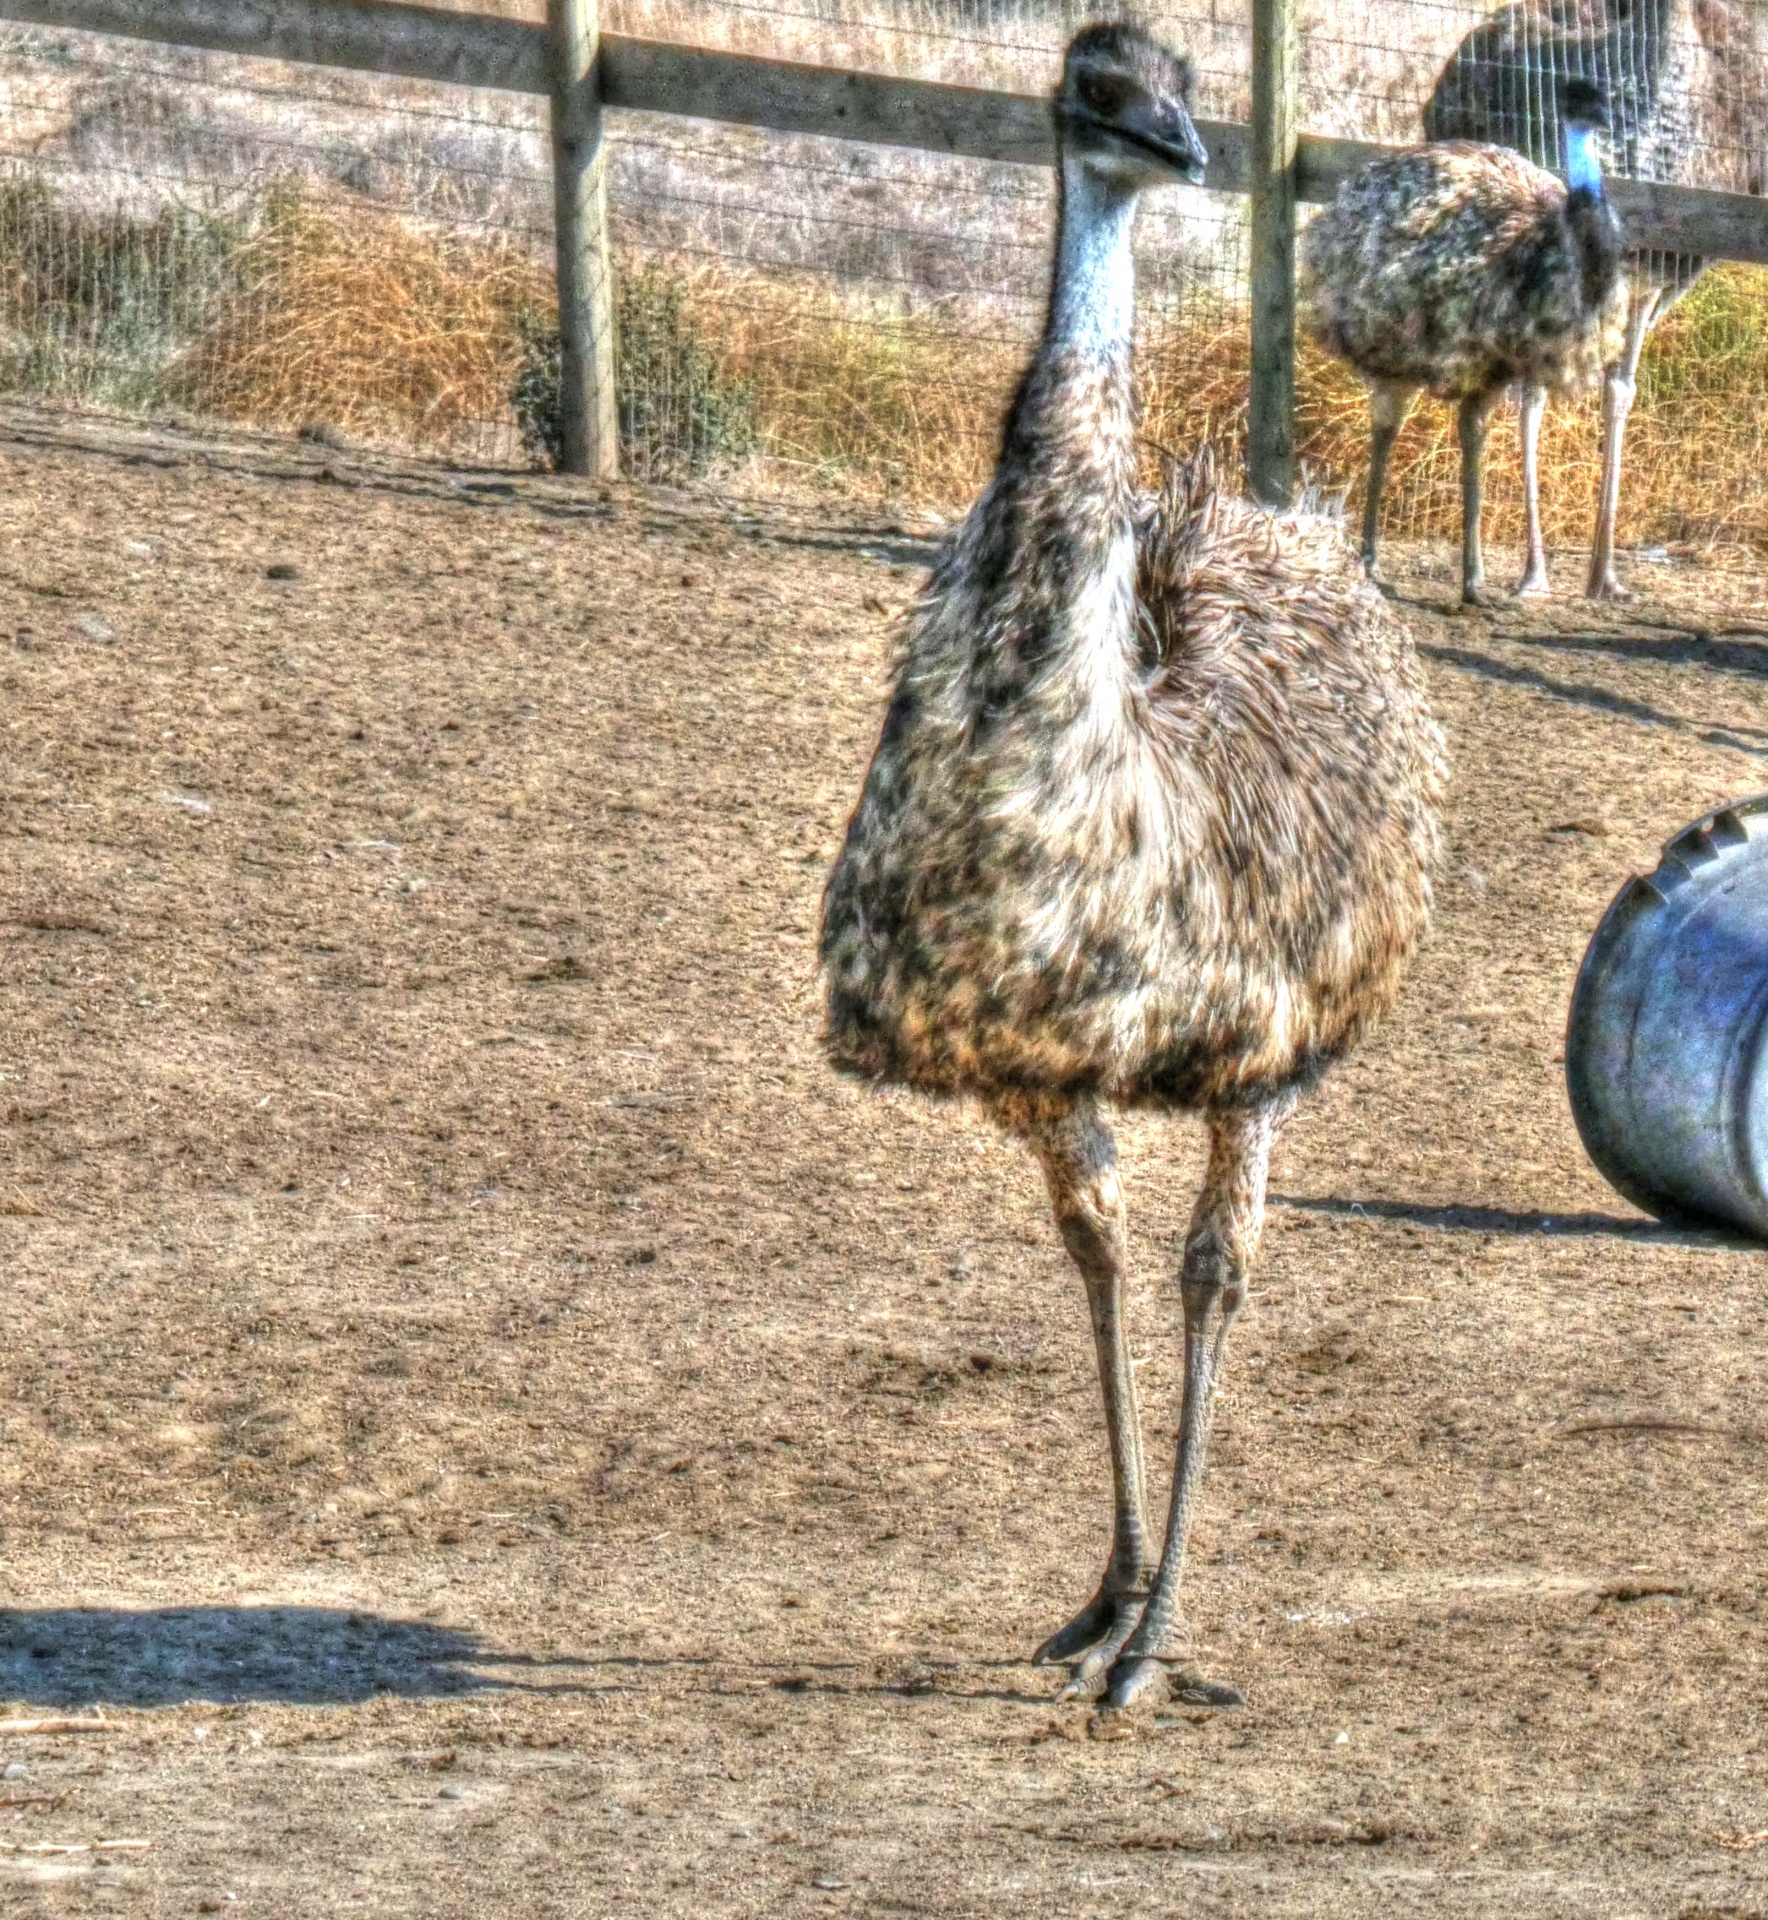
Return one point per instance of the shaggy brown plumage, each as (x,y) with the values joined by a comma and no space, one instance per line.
(1461,268)
(1176,856)
(1150,820)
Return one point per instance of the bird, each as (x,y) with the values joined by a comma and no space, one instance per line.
(1150,823)
(1687,87)
(1464,268)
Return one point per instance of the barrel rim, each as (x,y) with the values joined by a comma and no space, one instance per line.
(1693,857)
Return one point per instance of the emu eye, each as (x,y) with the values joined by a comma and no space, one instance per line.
(1105,94)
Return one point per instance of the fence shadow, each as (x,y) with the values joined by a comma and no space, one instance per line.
(301,1656)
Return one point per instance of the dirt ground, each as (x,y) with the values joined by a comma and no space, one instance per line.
(496,1428)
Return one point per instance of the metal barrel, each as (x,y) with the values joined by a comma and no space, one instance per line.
(1666,1047)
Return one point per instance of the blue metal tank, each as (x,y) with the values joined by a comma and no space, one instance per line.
(1666,1049)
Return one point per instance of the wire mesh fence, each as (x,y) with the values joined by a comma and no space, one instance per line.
(210,237)
(201,236)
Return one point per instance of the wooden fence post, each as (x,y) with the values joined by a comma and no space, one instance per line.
(589,417)
(1270,430)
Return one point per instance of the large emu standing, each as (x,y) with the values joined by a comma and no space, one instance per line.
(1150,822)
(1687,87)
(1465,269)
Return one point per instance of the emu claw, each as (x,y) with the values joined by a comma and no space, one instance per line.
(1093,1639)
(1139,1677)
(1192,1690)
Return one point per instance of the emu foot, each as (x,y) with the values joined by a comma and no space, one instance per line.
(1534,584)
(1605,586)
(1144,1677)
(1477,598)
(1092,1640)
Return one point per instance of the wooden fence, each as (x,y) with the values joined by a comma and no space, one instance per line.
(583,72)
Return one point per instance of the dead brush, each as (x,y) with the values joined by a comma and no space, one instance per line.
(316,307)
(860,392)
(374,324)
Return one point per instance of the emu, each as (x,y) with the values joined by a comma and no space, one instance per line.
(1464,268)
(1150,823)
(1687,86)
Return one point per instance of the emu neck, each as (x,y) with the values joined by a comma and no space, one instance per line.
(1052,548)
(1093,298)
(1583,168)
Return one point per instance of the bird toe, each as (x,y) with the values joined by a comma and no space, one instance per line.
(1134,1681)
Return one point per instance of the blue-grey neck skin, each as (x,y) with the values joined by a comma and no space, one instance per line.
(1093,301)
(1582,166)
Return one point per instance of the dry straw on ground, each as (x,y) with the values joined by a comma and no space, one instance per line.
(369,322)
(319,308)
(910,405)
(384,327)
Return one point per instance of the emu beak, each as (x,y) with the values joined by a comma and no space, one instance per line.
(1164,129)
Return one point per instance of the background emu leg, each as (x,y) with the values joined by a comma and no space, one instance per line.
(1531,405)
(1618,386)
(1080,1164)
(1219,1251)
(1476,412)
(1389,403)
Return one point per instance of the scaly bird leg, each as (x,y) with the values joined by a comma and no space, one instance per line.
(1619,382)
(1219,1251)
(1389,403)
(1471,423)
(1080,1164)
(1531,405)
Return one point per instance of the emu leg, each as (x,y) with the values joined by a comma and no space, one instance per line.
(1389,403)
(1531,404)
(1475,415)
(1225,1229)
(1080,1164)
(1619,383)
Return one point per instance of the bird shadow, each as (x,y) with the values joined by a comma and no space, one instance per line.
(1740,650)
(75,1657)
(1460,1219)
(1596,699)
(78,1659)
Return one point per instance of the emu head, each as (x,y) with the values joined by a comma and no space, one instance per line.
(1124,109)
(1583,104)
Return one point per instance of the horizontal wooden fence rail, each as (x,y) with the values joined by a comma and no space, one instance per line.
(654,76)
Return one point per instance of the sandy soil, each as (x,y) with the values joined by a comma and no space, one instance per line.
(497,1428)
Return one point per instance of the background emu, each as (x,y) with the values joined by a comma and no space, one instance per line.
(1150,821)
(1464,268)
(1687,87)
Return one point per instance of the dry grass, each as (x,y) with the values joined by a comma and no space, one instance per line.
(855,395)
(910,405)
(409,333)
(368,322)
